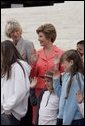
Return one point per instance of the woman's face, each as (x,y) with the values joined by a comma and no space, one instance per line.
(42,39)
(15,35)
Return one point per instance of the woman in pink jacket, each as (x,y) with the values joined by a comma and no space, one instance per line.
(45,56)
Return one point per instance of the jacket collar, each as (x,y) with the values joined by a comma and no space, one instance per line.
(53,52)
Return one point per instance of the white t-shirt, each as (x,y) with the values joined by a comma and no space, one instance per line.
(48,109)
(15,91)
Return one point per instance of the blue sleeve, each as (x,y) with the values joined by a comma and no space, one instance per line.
(57,87)
(70,107)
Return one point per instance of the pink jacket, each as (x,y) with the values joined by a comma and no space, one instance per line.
(44,64)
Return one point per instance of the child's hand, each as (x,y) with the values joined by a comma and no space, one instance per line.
(56,74)
(56,59)
(79,97)
(56,64)
(33,83)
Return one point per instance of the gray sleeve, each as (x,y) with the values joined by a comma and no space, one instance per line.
(29,50)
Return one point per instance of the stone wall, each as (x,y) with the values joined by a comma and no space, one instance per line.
(67,17)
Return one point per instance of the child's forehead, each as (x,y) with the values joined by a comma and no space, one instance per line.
(47,78)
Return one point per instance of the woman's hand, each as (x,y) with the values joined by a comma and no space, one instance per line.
(34,57)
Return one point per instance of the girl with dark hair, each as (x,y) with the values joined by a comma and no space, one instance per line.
(15,84)
(72,81)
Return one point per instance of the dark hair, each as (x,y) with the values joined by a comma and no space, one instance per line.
(76,67)
(81,42)
(48,30)
(9,55)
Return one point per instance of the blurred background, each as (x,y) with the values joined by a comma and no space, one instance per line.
(66,16)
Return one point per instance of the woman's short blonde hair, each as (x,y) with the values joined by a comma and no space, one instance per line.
(48,30)
(11,26)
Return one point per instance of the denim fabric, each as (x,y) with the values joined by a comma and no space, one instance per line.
(78,122)
(74,122)
(8,120)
